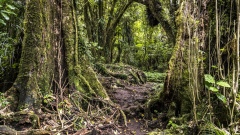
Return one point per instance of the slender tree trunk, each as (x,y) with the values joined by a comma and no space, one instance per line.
(101,32)
(105,30)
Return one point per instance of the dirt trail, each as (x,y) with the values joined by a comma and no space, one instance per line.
(126,86)
(132,98)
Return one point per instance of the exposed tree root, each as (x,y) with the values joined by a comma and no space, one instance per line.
(64,116)
(79,113)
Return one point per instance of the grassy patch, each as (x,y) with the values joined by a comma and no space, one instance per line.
(155,76)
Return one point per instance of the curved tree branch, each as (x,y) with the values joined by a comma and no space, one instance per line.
(156,8)
(119,15)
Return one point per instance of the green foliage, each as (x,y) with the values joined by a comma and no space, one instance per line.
(6,49)
(172,124)
(79,123)
(221,97)
(48,98)
(88,49)
(10,40)
(213,86)
(223,84)
(213,89)
(211,129)
(7,9)
(155,76)
(174,127)
(3,101)
(141,46)
(209,78)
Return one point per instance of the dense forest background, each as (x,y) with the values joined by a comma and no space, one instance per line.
(119,67)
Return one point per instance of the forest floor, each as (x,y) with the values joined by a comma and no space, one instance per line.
(129,90)
(132,97)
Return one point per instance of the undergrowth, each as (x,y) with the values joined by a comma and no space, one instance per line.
(155,76)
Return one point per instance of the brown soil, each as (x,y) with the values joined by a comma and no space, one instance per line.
(131,98)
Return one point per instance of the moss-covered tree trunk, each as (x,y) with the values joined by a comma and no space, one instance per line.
(50,61)
(186,63)
(184,80)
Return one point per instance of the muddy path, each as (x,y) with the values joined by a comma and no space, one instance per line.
(131,95)
(132,99)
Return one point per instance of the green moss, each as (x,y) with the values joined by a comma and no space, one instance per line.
(135,77)
(26,81)
(80,73)
(155,76)
(120,76)
(102,69)
(91,77)
(35,121)
(84,84)
(210,128)
(69,41)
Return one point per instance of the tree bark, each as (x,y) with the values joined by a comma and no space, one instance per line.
(50,62)
(110,31)
(184,80)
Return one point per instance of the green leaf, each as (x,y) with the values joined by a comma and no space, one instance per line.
(2,1)
(222,97)
(5,16)
(11,6)
(209,78)
(223,84)
(2,22)
(213,89)
(213,66)
(92,2)
(9,12)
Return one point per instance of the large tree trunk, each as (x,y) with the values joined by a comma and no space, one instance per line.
(184,80)
(50,61)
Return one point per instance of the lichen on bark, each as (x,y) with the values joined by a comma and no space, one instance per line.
(49,55)
(80,73)
(26,83)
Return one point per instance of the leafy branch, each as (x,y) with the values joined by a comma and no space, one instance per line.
(7,9)
(213,86)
